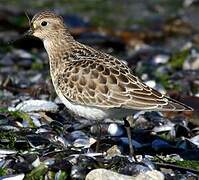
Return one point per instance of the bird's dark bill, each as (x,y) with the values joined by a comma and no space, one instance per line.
(29,33)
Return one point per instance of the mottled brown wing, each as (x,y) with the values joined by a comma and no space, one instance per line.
(103,81)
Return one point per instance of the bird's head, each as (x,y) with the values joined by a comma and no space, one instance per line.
(46,25)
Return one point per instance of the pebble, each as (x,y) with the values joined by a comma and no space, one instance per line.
(99,174)
(158,144)
(161,58)
(35,106)
(13,177)
(22,54)
(136,144)
(78,135)
(7,151)
(115,129)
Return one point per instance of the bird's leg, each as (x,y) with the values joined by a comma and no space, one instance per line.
(98,136)
(128,130)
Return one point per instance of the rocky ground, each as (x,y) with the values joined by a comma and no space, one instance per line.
(41,139)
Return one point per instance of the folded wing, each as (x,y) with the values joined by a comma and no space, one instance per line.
(97,79)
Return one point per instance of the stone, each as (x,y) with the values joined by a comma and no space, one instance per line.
(100,174)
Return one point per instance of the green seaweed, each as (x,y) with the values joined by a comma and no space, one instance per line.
(63,175)
(166,136)
(37,173)
(11,137)
(188,164)
(19,21)
(3,171)
(23,116)
(164,80)
(37,66)
(4,110)
(178,59)
(19,114)
(191,164)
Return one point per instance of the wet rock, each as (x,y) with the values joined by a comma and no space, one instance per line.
(151,55)
(22,54)
(77,135)
(168,130)
(98,174)
(62,141)
(81,166)
(160,144)
(133,169)
(80,139)
(62,164)
(38,141)
(191,64)
(188,3)
(148,163)
(145,119)
(163,128)
(22,167)
(7,60)
(9,128)
(125,141)
(195,140)
(190,154)
(187,144)
(19,57)
(181,131)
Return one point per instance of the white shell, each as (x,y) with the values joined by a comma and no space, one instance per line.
(35,106)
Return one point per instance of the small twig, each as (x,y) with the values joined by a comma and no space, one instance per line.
(172,166)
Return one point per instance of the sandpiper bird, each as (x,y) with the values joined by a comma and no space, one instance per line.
(93,84)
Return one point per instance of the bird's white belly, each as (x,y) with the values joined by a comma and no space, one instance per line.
(87,112)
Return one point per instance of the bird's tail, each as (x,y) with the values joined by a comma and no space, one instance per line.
(174,105)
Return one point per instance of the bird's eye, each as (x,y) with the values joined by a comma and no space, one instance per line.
(44,23)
